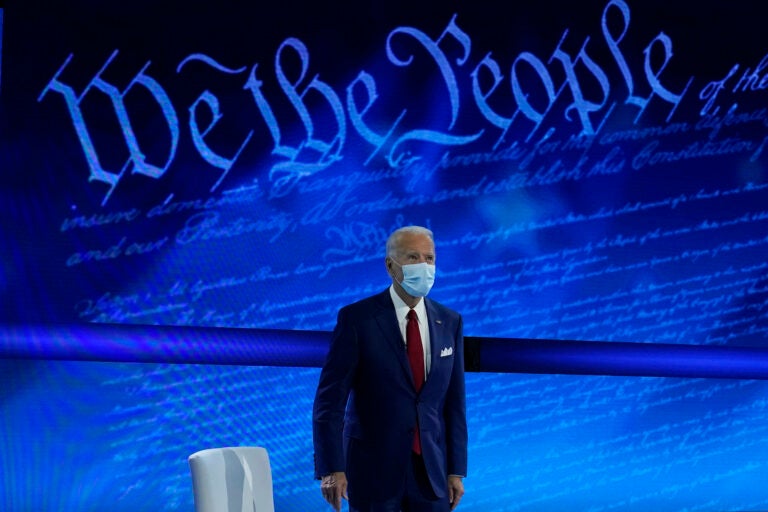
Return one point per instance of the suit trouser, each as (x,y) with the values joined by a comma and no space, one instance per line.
(417,494)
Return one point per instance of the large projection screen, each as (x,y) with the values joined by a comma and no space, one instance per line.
(186,184)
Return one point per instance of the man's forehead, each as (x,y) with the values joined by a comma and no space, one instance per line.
(416,242)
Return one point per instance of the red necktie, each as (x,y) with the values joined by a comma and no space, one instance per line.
(416,358)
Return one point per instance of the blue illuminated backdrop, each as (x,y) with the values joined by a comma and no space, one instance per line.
(595,174)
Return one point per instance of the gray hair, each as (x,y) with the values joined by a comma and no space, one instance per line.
(393,242)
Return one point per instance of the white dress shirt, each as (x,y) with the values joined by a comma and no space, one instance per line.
(401,310)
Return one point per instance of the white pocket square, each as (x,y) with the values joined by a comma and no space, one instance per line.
(447,351)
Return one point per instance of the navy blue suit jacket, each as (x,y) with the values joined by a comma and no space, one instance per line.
(366,391)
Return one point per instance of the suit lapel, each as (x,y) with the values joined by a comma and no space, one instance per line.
(388,323)
(436,333)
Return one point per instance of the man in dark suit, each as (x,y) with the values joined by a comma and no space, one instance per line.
(389,418)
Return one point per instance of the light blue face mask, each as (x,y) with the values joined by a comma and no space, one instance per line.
(418,278)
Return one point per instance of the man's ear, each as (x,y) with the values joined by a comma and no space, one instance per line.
(390,264)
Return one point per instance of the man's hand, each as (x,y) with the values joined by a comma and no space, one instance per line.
(455,490)
(334,487)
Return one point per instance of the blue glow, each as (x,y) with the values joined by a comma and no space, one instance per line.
(121,433)
(185,212)
(263,347)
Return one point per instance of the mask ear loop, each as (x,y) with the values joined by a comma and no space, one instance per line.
(394,278)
